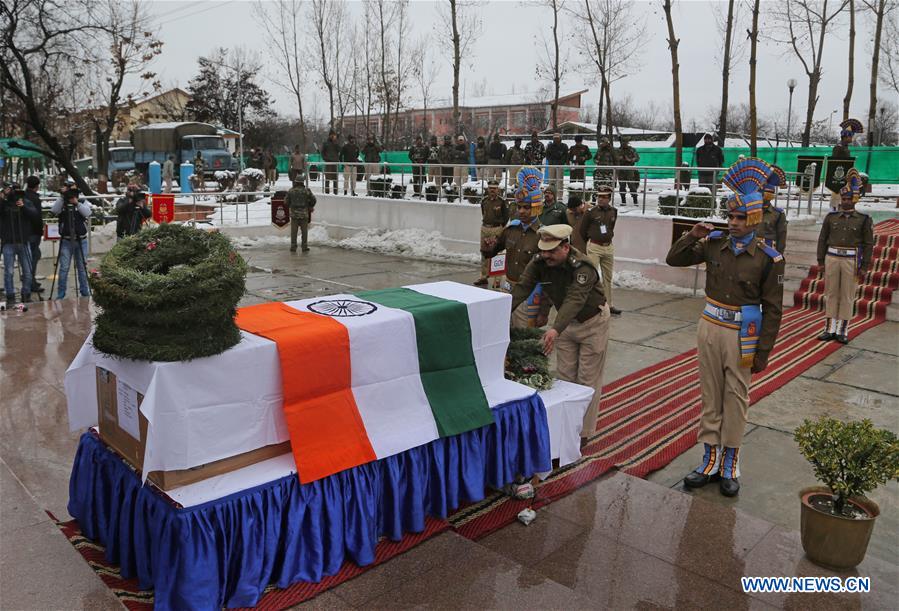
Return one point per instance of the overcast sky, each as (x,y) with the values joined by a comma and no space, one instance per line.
(509,45)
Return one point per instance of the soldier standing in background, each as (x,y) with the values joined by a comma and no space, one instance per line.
(597,231)
(494,216)
(297,163)
(845,246)
(371,153)
(849,128)
(580,332)
(557,158)
(418,155)
(331,156)
(740,322)
(480,158)
(434,161)
(578,156)
(349,157)
(447,156)
(515,158)
(534,151)
(605,157)
(496,153)
(301,202)
(460,159)
(709,155)
(628,179)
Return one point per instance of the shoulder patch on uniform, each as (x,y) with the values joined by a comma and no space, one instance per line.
(514,223)
(581,277)
(771,252)
(778,209)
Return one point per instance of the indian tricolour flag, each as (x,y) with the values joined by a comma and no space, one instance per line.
(372,374)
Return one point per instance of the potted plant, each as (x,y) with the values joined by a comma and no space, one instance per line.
(851,458)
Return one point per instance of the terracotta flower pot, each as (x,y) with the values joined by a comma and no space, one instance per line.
(833,541)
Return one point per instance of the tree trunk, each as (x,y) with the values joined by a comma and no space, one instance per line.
(602,99)
(851,80)
(875,66)
(811,102)
(556,76)
(675,85)
(725,73)
(753,58)
(456,61)
(608,108)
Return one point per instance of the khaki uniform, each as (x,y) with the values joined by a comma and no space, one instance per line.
(520,244)
(750,278)
(301,202)
(574,219)
(773,227)
(582,321)
(597,230)
(494,216)
(845,246)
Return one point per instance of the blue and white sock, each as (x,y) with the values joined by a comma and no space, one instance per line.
(730,463)
(711,460)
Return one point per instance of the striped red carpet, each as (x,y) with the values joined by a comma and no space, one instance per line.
(646,420)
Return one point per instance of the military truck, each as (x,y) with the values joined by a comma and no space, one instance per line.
(155,142)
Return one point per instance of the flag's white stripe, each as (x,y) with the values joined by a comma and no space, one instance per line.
(488,316)
(385,377)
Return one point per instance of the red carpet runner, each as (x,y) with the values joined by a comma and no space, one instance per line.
(646,420)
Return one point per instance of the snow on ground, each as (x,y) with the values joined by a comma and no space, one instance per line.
(635,280)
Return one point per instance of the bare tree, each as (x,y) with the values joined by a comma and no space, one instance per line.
(850,81)
(458,28)
(879,10)
(284,19)
(322,15)
(802,25)
(125,47)
(673,43)
(889,48)
(424,69)
(726,63)
(400,69)
(342,32)
(753,58)
(610,36)
(40,41)
(551,64)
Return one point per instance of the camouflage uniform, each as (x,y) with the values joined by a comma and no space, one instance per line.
(628,179)
(301,202)
(418,154)
(605,156)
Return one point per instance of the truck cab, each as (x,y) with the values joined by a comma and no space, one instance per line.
(213,150)
(121,159)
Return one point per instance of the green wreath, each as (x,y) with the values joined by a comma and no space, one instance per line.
(168,293)
(525,361)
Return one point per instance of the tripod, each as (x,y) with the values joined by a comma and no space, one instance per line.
(78,263)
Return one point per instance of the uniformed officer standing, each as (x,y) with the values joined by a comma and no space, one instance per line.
(494,216)
(580,332)
(301,202)
(845,246)
(519,240)
(628,179)
(554,212)
(738,327)
(597,230)
(773,228)
(578,156)
(605,156)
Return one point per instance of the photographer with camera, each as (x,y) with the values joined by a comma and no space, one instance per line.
(17,217)
(33,196)
(131,212)
(73,214)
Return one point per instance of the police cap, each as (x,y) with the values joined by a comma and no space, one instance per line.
(605,190)
(553,235)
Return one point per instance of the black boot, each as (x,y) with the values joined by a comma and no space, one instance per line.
(698,480)
(843,339)
(826,336)
(729,486)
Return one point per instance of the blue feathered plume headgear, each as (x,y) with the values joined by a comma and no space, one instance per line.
(746,178)
(851,127)
(530,180)
(777,178)
(853,185)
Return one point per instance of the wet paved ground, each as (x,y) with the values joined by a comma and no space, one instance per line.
(620,542)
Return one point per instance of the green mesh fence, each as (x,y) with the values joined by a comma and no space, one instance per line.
(881,163)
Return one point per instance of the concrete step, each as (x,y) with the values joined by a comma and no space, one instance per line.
(893,311)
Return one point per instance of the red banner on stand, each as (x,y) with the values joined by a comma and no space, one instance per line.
(280,212)
(163,207)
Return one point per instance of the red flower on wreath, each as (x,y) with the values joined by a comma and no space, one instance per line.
(95,273)
(152,245)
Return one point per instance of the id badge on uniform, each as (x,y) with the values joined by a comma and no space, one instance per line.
(603,230)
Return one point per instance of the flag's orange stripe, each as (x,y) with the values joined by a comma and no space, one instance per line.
(326,431)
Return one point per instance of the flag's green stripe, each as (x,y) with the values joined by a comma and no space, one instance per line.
(445,357)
